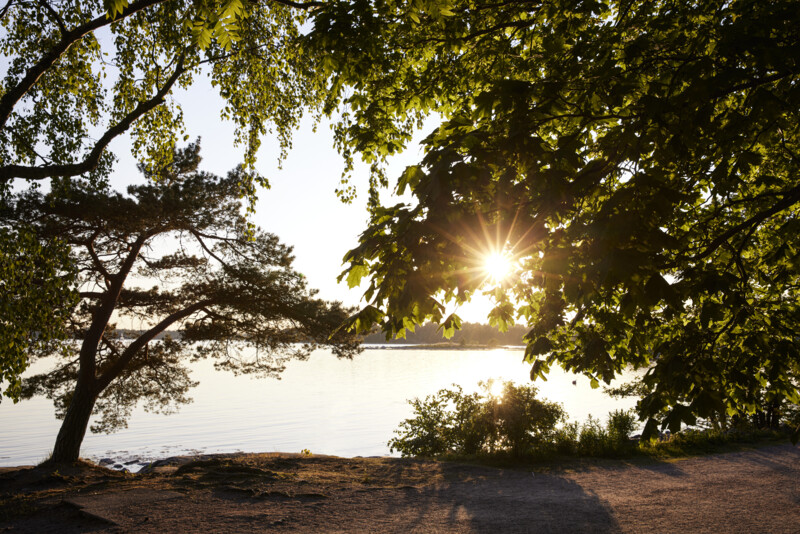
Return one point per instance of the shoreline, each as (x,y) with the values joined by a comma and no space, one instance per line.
(438,346)
(291,492)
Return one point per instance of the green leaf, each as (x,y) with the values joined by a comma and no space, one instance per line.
(355,274)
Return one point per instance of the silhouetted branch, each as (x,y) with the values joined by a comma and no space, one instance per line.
(9,172)
(792,197)
(15,93)
(130,352)
(53,15)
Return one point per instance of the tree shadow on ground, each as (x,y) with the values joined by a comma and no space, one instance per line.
(486,499)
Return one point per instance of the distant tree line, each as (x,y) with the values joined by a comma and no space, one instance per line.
(470,334)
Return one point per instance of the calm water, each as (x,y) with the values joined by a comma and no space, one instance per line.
(326,405)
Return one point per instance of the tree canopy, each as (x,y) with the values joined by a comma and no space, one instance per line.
(83,73)
(637,160)
(233,297)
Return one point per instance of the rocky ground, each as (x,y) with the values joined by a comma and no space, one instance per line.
(751,491)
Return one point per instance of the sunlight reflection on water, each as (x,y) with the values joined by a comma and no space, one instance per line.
(329,406)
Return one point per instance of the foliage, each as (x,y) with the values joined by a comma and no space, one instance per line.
(621,424)
(37,299)
(510,427)
(613,439)
(78,75)
(778,414)
(233,298)
(637,159)
(59,111)
(452,422)
(693,441)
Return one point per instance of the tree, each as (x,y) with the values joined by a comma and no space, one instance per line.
(59,112)
(637,161)
(232,297)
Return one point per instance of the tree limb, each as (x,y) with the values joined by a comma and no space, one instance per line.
(5,9)
(299,5)
(9,172)
(791,197)
(14,94)
(102,314)
(55,16)
(96,260)
(122,362)
(199,238)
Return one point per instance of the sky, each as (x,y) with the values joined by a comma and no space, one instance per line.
(301,206)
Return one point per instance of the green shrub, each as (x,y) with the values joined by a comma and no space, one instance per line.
(611,440)
(620,426)
(523,421)
(566,439)
(452,422)
(593,439)
(428,433)
(515,424)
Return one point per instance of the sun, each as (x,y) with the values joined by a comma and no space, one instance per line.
(496,388)
(497,266)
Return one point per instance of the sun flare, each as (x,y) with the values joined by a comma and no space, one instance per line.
(497,266)
(496,388)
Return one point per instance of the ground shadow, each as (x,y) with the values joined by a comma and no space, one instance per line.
(486,499)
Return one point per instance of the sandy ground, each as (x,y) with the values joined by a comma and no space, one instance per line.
(752,491)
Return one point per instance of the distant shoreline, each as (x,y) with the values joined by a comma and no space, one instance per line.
(439,346)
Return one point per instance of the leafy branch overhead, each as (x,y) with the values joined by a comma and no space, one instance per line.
(637,160)
(80,75)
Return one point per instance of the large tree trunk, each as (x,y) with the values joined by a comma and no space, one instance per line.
(70,436)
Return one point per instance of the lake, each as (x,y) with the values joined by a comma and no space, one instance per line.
(329,406)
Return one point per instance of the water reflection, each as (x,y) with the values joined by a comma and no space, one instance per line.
(329,406)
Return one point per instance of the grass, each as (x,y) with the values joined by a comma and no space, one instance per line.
(698,442)
(682,445)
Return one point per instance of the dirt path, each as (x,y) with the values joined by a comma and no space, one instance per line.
(752,491)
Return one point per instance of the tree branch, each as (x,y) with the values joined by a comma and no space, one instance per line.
(199,237)
(122,362)
(96,260)
(299,5)
(5,9)
(791,197)
(14,94)
(102,314)
(55,16)
(752,83)
(9,172)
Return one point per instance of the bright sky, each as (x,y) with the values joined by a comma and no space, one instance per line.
(301,207)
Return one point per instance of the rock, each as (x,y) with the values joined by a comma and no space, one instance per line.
(105,461)
(118,466)
(136,461)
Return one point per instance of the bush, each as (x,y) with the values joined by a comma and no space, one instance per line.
(452,422)
(566,439)
(611,440)
(513,422)
(620,426)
